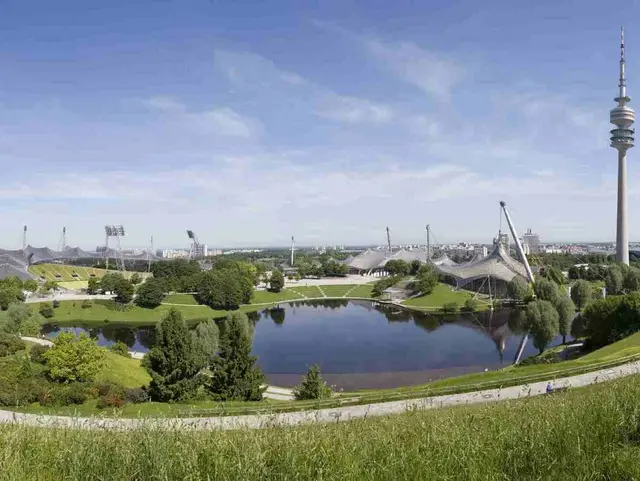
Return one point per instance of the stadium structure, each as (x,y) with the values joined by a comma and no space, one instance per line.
(15,263)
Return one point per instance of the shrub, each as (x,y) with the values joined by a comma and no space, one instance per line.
(109,389)
(136,395)
(312,386)
(470,305)
(10,344)
(37,354)
(449,307)
(47,311)
(20,381)
(75,393)
(63,395)
(86,304)
(110,401)
(74,358)
(120,348)
(56,304)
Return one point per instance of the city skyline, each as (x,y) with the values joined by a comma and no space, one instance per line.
(163,118)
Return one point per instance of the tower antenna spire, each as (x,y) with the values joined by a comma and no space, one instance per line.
(622,99)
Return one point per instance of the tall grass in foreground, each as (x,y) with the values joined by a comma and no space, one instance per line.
(584,434)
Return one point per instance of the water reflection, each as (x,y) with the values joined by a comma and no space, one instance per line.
(348,337)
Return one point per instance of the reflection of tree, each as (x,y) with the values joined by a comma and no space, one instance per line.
(48,328)
(126,335)
(278,315)
(147,336)
(428,322)
(253,317)
(517,321)
(266,314)
(395,314)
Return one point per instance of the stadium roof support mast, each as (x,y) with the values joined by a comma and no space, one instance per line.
(63,240)
(389,239)
(622,138)
(522,255)
(293,248)
(116,231)
(24,238)
(149,253)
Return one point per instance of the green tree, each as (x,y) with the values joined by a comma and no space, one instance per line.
(553,274)
(10,294)
(50,286)
(581,293)
(613,280)
(135,279)
(123,289)
(519,289)
(631,282)
(397,267)
(171,362)
(312,386)
(93,286)
(151,293)
(276,281)
(234,373)
(205,338)
(222,289)
(546,290)
(566,312)
(74,359)
(17,314)
(542,323)
(30,285)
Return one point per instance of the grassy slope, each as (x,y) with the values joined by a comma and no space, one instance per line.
(311,292)
(440,295)
(180,299)
(589,433)
(122,370)
(364,290)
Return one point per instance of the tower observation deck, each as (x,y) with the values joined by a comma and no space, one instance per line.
(622,138)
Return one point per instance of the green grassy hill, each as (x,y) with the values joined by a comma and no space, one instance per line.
(590,433)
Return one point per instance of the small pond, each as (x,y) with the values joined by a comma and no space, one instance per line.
(359,344)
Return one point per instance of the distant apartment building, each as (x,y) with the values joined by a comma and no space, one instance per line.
(531,242)
(175,253)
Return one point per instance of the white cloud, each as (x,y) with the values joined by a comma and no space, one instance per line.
(165,104)
(427,70)
(224,121)
(353,110)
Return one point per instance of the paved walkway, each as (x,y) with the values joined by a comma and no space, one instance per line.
(257,421)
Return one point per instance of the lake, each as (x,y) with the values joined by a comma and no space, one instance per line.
(359,344)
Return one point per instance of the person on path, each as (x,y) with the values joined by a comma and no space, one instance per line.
(549,388)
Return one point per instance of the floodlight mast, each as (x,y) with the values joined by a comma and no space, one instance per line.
(293,248)
(194,249)
(116,231)
(24,238)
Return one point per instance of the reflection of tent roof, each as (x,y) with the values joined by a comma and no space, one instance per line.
(498,264)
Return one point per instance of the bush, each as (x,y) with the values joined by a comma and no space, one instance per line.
(110,401)
(136,395)
(86,304)
(10,344)
(312,386)
(470,305)
(120,348)
(36,354)
(56,304)
(74,358)
(20,381)
(449,307)
(46,310)
(63,395)
(109,389)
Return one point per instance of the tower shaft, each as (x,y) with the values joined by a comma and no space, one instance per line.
(622,233)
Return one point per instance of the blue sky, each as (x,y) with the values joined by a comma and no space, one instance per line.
(249,122)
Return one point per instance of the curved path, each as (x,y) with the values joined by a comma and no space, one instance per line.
(322,415)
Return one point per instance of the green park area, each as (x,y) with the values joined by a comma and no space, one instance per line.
(442,294)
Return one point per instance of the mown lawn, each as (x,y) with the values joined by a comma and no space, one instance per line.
(363,290)
(122,370)
(264,297)
(311,292)
(102,311)
(337,291)
(441,295)
(64,272)
(587,434)
(180,299)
